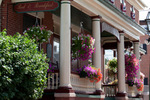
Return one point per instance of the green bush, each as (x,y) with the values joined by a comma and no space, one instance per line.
(22,68)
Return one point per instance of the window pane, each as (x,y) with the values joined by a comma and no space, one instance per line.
(56,50)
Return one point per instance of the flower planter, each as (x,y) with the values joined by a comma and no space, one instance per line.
(131,90)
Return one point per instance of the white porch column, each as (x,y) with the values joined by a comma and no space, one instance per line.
(97,37)
(137,54)
(65,45)
(121,65)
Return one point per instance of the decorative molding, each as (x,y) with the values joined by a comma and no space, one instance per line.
(121,31)
(138,4)
(64,0)
(98,16)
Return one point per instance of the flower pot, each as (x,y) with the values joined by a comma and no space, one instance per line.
(131,90)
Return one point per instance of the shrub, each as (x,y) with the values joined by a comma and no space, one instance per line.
(22,68)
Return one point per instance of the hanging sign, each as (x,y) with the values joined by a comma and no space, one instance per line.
(36,6)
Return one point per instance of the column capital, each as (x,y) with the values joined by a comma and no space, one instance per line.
(64,0)
(122,32)
(135,41)
(98,17)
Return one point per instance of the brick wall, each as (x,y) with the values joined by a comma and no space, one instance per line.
(136,15)
(118,4)
(47,21)
(128,11)
(145,59)
(11,20)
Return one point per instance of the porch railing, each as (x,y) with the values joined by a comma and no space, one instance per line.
(110,90)
(53,80)
(78,84)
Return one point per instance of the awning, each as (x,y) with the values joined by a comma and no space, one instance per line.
(110,29)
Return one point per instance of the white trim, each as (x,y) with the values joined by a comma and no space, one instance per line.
(65,95)
(138,4)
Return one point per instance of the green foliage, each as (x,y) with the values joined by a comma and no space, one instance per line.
(22,68)
(106,61)
(112,64)
(39,33)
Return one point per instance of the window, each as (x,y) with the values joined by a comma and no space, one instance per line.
(56,51)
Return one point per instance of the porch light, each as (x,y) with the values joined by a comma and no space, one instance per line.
(148,21)
(148,26)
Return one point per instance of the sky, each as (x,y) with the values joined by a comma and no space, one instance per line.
(143,14)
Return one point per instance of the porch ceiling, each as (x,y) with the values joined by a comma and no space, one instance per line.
(111,15)
(113,45)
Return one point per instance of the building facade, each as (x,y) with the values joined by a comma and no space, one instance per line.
(113,23)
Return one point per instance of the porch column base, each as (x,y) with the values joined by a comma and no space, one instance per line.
(100,93)
(139,95)
(121,96)
(65,93)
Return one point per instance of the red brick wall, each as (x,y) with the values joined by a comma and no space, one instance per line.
(4,13)
(47,21)
(11,20)
(118,4)
(128,11)
(136,15)
(145,59)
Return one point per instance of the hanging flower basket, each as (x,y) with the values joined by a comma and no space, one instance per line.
(90,72)
(82,47)
(39,33)
(131,68)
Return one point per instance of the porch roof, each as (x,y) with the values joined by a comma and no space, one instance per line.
(111,15)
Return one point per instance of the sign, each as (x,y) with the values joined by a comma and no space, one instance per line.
(36,6)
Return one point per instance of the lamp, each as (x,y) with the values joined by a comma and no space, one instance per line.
(148,27)
(148,21)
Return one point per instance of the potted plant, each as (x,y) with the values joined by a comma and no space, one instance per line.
(131,68)
(39,33)
(82,47)
(90,72)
